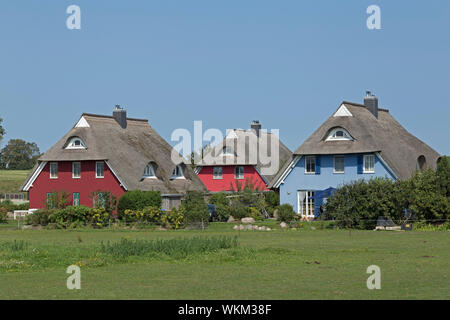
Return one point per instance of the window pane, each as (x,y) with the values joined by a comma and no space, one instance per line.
(100,169)
(339,164)
(76,169)
(310,164)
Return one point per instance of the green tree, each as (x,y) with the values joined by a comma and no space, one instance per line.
(195,206)
(2,130)
(443,175)
(19,155)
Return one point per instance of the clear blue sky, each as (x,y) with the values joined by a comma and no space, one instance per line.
(286,63)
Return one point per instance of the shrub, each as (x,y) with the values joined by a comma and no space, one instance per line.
(255,214)
(173,218)
(286,213)
(105,200)
(57,200)
(272,200)
(148,214)
(40,217)
(11,206)
(222,203)
(3,215)
(71,214)
(138,200)
(239,211)
(195,207)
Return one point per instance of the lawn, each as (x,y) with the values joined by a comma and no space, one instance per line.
(11,180)
(277,264)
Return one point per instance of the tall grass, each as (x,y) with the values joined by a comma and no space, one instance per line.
(16,245)
(179,247)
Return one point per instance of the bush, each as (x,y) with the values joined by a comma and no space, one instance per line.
(173,218)
(105,200)
(239,211)
(272,200)
(3,215)
(286,213)
(222,203)
(40,217)
(11,206)
(195,207)
(255,214)
(149,215)
(138,200)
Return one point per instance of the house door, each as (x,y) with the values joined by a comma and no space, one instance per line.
(305,203)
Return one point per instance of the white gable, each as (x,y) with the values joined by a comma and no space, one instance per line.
(343,112)
(82,123)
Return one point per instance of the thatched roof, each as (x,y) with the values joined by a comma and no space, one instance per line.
(127,151)
(398,148)
(250,149)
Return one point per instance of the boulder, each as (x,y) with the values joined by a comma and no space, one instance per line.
(248,220)
(240,227)
(255,228)
(230,219)
(275,214)
(284,225)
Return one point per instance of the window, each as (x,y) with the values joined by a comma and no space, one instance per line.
(310,165)
(76,143)
(177,173)
(306,203)
(76,170)
(369,163)
(100,169)
(50,201)
(239,172)
(76,198)
(53,170)
(339,164)
(339,134)
(217,172)
(228,151)
(149,171)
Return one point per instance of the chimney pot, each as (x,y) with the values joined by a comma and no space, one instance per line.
(256,127)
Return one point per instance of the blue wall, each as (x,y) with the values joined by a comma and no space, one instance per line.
(299,180)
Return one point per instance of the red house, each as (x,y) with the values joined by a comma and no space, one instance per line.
(109,153)
(250,157)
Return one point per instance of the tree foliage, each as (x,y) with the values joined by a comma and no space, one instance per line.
(196,209)
(138,200)
(2,130)
(19,155)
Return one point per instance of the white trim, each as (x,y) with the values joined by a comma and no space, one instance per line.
(82,123)
(286,172)
(221,173)
(117,177)
(96,176)
(181,176)
(334,164)
(152,169)
(50,170)
(71,144)
(243,173)
(33,177)
(346,136)
(315,163)
(73,163)
(386,165)
(364,163)
(343,112)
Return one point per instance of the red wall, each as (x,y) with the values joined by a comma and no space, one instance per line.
(87,184)
(224,184)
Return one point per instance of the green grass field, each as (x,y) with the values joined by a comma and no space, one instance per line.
(11,180)
(280,264)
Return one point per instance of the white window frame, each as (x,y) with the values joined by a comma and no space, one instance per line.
(52,176)
(332,136)
(73,170)
(96,170)
(308,211)
(334,165)
(218,175)
(178,173)
(238,175)
(71,144)
(365,160)
(306,164)
(149,172)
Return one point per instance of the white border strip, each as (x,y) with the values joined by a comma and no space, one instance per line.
(120,181)
(287,171)
(36,173)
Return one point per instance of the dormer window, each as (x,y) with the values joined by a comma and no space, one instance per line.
(177,173)
(339,134)
(228,151)
(149,171)
(76,143)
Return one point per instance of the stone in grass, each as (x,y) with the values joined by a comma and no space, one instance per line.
(240,227)
(284,225)
(248,220)
(230,219)
(249,227)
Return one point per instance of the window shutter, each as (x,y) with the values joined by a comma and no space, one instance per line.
(317,164)
(360,164)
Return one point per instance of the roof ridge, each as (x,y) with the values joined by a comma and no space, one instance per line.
(110,117)
(361,105)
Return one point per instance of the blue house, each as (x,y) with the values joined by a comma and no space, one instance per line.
(358,141)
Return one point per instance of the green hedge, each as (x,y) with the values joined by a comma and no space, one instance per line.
(138,200)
